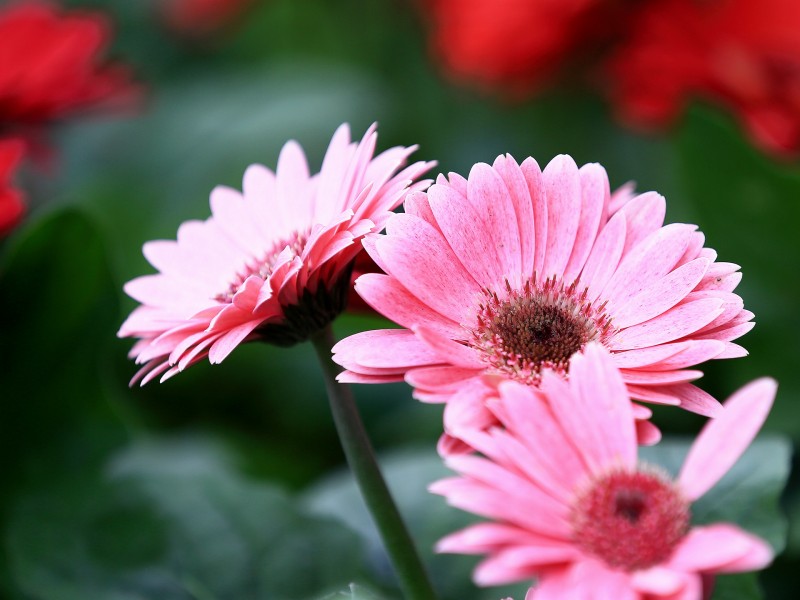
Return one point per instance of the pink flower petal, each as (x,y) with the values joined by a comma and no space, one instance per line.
(444,379)
(759,556)
(711,548)
(643,358)
(604,257)
(595,195)
(515,564)
(644,214)
(466,410)
(722,276)
(584,580)
(424,264)
(693,399)
(732,350)
(417,204)
(535,513)
(661,295)
(533,176)
(485,537)
(493,209)
(647,262)
(387,295)
(227,342)
(723,440)
(658,378)
(667,327)
(384,348)
(694,352)
(522,495)
(658,581)
(657,395)
(466,233)
(597,415)
(292,174)
(621,196)
(515,181)
(551,457)
(448,350)
(562,185)
(351,377)
(727,332)
(647,434)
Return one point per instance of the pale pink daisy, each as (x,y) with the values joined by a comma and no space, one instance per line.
(570,504)
(515,269)
(273,262)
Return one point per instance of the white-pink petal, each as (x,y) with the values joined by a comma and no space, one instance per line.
(562,184)
(594,409)
(723,440)
(713,547)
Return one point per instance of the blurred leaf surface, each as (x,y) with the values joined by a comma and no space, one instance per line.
(174,519)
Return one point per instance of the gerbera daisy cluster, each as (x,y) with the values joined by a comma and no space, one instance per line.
(542,309)
(513,270)
(545,312)
(650,57)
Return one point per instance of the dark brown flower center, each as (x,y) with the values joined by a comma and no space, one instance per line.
(630,520)
(536,327)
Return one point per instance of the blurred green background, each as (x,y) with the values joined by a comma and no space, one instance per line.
(225,482)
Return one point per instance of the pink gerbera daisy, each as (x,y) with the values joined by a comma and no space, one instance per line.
(571,506)
(273,262)
(515,270)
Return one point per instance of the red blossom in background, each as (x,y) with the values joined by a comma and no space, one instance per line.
(11,205)
(740,53)
(200,17)
(515,44)
(50,68)
(50,64)
(653,56)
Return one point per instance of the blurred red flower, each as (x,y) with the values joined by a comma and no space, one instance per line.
(200,17)
(50,64)
(515,44)
(11,205)
(740,53)
(653,56)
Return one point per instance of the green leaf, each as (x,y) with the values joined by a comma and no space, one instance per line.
(741,586)
(175,519)
(142,177)
(408,474)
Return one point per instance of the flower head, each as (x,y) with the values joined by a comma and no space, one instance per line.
(11,205)
(571,505)
(273,262)
(743,54)
(514,270)
(517,45)
(49,64)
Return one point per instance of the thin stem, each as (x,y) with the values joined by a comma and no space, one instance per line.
(361,458)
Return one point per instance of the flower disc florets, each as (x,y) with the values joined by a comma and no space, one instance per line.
(536,327)
(263,268)
(631,520)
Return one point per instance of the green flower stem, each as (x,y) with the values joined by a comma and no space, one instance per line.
(361,458)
